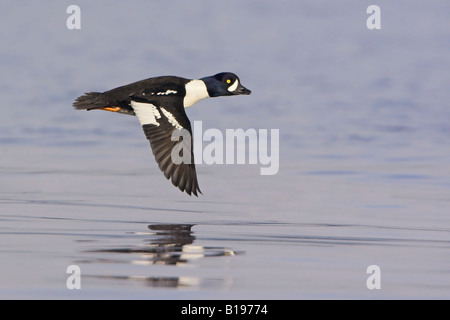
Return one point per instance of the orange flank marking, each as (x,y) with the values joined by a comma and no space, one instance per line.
(112,109)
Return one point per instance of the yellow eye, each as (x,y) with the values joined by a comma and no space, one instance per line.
(228,81)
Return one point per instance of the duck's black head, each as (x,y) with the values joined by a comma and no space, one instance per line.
(224,84)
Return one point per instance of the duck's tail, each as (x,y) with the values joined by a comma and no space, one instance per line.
(90,100)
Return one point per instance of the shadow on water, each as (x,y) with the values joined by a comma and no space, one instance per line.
(163,245)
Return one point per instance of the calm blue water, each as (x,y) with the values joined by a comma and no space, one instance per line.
(364,175)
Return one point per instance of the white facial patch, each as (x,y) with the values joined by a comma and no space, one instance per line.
(233,86)
(195,91)
(146,113)
(171,119)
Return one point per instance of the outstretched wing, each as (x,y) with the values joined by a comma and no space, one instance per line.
(169,131)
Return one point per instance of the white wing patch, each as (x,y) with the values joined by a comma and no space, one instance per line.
(166,93)
(146,113)
(171,119)
(233,86)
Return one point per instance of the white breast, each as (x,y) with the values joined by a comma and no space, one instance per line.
(195,91)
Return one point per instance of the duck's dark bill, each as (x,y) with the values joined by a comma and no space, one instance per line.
(242,90)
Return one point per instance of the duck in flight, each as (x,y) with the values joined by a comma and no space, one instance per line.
(159,104)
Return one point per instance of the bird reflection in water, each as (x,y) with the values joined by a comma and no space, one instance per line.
(166,244)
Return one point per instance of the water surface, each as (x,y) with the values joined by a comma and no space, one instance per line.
(364,173)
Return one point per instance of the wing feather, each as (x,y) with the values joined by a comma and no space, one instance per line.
(158,127)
